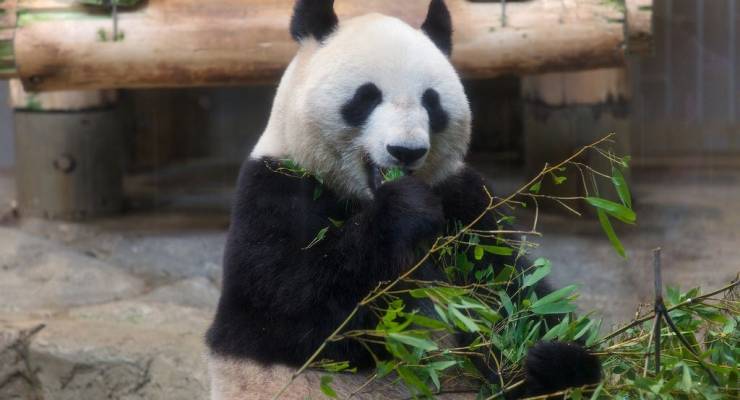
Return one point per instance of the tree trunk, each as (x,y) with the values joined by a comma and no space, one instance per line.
(60,44)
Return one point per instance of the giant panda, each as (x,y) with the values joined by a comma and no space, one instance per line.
(361,96)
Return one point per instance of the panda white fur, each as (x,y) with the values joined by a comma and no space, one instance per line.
(361,96)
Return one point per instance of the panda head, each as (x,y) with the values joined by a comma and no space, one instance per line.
(368,94)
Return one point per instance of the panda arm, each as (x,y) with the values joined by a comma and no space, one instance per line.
(281,297)
(550,366)
(278,227)
(465,197)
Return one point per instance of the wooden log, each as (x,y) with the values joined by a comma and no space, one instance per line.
(69,153)
(60,44)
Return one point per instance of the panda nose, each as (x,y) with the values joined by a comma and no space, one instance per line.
(406,155)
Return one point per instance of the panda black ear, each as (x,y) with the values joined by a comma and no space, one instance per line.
(438,26)
(313,18)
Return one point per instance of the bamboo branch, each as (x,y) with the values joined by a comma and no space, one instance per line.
(383,289)
(650,316)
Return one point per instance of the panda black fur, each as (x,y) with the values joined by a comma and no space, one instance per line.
(282,298)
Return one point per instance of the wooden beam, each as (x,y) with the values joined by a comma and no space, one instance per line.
(60,44)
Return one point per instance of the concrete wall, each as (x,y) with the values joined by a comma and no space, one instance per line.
(6,128)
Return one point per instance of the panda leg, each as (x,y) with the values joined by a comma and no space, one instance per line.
(233,379)
(554,366)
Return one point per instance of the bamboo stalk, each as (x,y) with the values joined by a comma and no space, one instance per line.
(62,44)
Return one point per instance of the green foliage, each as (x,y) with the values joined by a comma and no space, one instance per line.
(709,324)
(506,319)
(498,308)
(326,388)
(393,174)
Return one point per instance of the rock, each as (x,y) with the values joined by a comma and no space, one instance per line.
(15,379)
(157,248)
(194,292)
(38,275)
(123,350)
(137,313)
(174,257)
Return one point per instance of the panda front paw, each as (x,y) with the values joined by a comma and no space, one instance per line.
(410,210)
(554,366)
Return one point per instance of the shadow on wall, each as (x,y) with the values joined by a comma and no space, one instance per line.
(7,158)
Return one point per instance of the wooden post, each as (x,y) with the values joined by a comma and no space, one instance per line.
(68,154)
(63,44)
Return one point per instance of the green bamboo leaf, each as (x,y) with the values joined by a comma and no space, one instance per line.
(554,308)
(584,330)
(609,230)
(597,391)
(412,380)
(535,188)
(594,335)
(326,388)
(479,253)
(414,341)
(617,211)
(506,302)
(558,330)
(464,319)
(319,237)
(536,276)
(558,180)
(497,250)
(435,378)
(505,274)
(441,312)
(393,174)
(555,296)
(442,365)
(385,367)
(686,378)
(730,326)
(317,192)
(427,322)
(622,189)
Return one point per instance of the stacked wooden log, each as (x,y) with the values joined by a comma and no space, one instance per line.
(64,44)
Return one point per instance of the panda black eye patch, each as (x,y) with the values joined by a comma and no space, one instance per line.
(356,111)
(438,118)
